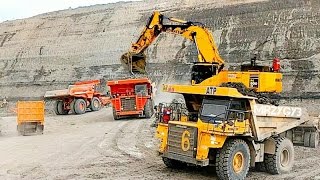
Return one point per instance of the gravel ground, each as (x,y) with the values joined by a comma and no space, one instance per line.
(94,146)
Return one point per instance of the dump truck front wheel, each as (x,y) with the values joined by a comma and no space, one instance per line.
(282,160)
(115,116)
(80,106)
(306,139)
(148,109)
(95,104)
(174,164)
(314,139)
(311,139)
(59,108)
(232,161)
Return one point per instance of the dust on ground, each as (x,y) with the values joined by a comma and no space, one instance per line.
(94,146)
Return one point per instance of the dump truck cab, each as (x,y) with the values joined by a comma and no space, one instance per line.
(230,131)
(131,98)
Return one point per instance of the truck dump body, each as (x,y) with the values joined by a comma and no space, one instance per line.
(83,90)
(30,117)
(273,120)
(131,97)
(57,93)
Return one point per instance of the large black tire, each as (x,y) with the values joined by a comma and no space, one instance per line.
(174,164)
(72,106)
(40,129)
(314,139)
(20,130)
(115,116)
(55,107)
(282,161)
(148,109)
(59,109)
(80,106)
(233,160)
(306,139)
(260,167)
(95,104)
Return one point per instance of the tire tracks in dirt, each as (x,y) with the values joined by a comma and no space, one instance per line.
(303,169)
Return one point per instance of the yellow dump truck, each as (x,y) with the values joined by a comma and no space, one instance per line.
(231,132)
(30,117)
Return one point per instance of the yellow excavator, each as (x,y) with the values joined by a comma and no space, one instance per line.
(219,126)
(262,82)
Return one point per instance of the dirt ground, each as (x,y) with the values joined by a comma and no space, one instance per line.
(94,146)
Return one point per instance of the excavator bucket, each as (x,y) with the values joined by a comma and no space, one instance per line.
(135,63)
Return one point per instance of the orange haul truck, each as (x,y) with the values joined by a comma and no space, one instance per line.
(78,97)
(131,98)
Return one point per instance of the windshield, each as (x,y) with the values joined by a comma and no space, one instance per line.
(141,90)
(213,111)
(217,110)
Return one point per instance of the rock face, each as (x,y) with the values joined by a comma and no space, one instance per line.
(49,51)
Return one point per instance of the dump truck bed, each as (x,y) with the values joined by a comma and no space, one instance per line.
(269,120)
(128,81)
(73,90)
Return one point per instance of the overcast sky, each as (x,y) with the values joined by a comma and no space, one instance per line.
(17,9)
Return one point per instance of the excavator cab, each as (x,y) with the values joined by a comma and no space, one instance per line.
(253,67)
(203,71)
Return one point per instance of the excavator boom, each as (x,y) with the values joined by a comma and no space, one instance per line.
(135,58)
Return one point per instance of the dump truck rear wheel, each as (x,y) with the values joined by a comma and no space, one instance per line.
(72,106)
(59,108)
(20,130)
(314,139)
(95,104)
(306,139)
(232,161)
(80,106)
(148,109)
(260,166)
(56,107)
(40,129)
(174,164)
(282,160)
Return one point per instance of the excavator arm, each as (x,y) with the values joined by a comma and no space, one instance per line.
(135,58)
